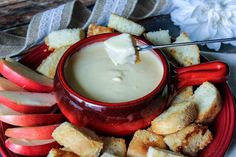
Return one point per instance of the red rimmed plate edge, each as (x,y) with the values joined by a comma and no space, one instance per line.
(222,142)
(225,124)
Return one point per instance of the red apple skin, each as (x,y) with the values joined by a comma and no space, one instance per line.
(21,80)
(8,85)
(27,109)
(32,133)
(32,119)
(4,110)
(28,150)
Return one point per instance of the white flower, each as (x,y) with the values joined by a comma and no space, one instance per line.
(206,19)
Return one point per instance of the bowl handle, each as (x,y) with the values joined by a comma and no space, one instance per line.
(215,72)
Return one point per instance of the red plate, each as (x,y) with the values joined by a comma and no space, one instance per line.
(222,128)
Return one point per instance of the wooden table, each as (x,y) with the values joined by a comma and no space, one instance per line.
(15,15)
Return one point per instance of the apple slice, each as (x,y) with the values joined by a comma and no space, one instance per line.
(4,110)
(30,147)
(32,119)
(28,102)
(25,77)
(32,133)
(8,85)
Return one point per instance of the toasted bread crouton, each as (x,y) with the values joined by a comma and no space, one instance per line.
(81,141)
(64,37)
(189,140)
(184,95)
(157,152)
(114,146)
(61,153)
(208,101)
(93,29)
(185,55)
(108,155)
(175,118)
(124,25)
(158,37)
(49,65)
(142,139)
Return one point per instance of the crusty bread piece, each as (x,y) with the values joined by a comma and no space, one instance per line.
(157,152)
(108,155)
(124,25)
(64,37)
(93,29)
(114,146)
(208,101)
(175,118)
(158,37)
(189,140)
(60,153)
(184,95)
(142,139)
(185,55)
(81,141)
(49,65)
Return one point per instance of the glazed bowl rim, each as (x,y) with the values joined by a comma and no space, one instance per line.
(90,40)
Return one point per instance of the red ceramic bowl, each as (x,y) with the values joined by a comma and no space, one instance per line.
(126,117)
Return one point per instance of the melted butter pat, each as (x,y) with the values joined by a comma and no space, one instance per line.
(91,73)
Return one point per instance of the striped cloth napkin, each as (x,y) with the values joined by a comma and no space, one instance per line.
(66,16)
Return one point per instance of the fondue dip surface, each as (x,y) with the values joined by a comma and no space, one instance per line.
(91,73)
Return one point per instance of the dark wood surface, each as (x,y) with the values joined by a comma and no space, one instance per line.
(17,13)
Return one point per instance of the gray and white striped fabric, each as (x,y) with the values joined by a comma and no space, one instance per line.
(65,16)
(40,25)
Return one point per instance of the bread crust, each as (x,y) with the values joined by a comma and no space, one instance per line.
(158,37)
(157,152)
(61,153)
(184,94)
(125,25)
(189,140)
(175,118)
(114,146)
(63,37)
(80,141)
(49,65)
(108,155)
(207,112)
(185,55)
(211,114)
(141,141)
(94,29)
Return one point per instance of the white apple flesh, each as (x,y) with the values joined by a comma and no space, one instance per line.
(32,133)
(28,102)
(32,119)
(8,85)
(30,147)
(4,110)
(25,77)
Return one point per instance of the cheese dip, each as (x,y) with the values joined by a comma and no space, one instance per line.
(91,73)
